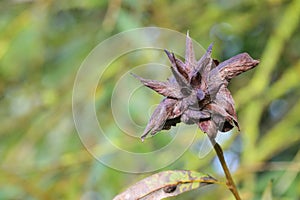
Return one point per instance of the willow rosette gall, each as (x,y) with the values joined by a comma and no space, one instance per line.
(197,92)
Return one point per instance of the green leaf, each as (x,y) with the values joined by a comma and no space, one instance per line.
(166,184)
(267,195)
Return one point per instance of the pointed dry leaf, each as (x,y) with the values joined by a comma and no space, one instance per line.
(204,65)
(166,184)
(189,52)
(164,116)
(236,65)
(164,88)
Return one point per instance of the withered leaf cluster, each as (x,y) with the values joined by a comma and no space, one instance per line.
(197,92)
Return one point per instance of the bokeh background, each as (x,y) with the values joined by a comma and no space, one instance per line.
(43,43)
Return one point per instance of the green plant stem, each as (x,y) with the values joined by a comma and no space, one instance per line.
(230,183)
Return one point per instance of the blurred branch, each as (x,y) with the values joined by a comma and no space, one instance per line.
(111,15)
(271,55)
(289,80)
(289,175)
(29,188)
(292,166)
(283,134)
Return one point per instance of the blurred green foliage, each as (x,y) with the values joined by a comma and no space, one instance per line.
(42,44)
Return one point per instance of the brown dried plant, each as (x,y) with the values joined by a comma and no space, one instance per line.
(197,92)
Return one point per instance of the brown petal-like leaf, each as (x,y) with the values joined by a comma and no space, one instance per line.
(164,88)
(222,119)
(182,68)
(166,184)
(225,99)
(163,116)
(180,79)
(209,127)
(204,65)
(194,116)
(214,83)
(190,59)
(236,65)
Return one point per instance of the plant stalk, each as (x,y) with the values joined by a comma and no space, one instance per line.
(230,183)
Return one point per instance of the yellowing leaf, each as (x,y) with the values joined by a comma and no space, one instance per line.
(166,184)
